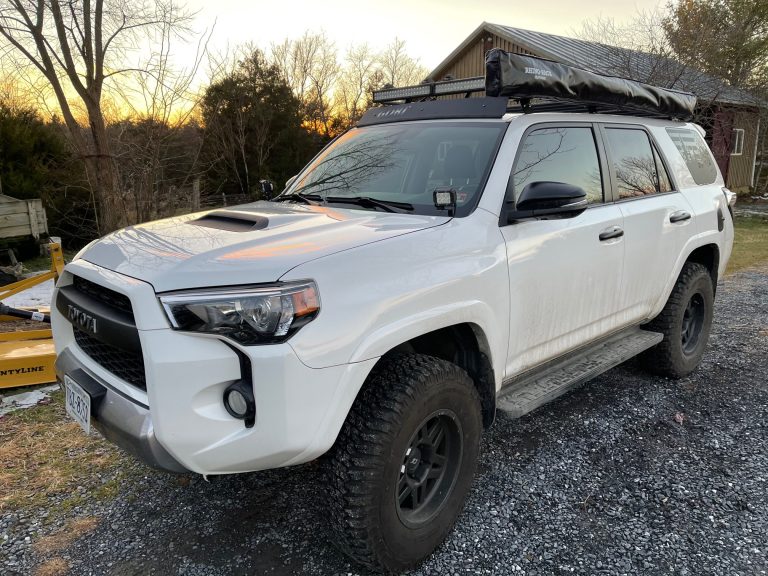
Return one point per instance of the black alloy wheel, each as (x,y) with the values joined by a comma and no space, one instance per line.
(430,466)
(693,322)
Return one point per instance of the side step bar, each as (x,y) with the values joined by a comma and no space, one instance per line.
(537,387)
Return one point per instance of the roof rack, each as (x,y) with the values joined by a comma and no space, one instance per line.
(538,85)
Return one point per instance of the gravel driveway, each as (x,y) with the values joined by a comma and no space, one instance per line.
(632,474)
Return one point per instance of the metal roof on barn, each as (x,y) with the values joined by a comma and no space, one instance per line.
(611,60)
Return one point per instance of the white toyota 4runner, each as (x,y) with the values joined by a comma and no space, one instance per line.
(439,262)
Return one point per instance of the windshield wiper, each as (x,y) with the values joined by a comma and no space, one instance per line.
(368,202)
(313,199)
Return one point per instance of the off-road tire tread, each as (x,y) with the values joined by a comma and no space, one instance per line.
(396,383)
(660,358)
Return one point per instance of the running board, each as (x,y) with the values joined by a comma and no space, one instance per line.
(537,387)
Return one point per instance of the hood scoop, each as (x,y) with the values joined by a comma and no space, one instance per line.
(231,221)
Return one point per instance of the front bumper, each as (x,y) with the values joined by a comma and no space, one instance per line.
(180,422)
(122,421)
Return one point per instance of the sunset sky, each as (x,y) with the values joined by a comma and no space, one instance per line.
(431,28)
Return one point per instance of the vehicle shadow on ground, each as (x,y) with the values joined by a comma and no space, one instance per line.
(261,523)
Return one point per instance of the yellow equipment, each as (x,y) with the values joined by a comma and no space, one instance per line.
(27,356)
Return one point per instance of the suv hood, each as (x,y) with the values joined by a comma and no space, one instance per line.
(246,244)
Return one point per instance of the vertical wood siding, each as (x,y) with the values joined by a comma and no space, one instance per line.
(471,61)
(740,167)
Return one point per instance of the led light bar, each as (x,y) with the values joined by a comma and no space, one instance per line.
(407,93)
(460,86)
(390,94)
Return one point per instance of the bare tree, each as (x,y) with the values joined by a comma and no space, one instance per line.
(157,143)
(640,49)
(78,46)
(310,67)
(353,89)
(333,94)
(398,68)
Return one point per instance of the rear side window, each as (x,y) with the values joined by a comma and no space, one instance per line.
(566,154)
(634,163)
(694,151)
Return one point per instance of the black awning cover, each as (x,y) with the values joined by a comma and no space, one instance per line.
(523,77)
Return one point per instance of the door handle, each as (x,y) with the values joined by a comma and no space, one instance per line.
(679,216)
(610,233)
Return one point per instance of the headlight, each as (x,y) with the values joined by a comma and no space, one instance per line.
(252,315)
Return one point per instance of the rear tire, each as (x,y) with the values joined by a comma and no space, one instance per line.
(404,461)
(685,323)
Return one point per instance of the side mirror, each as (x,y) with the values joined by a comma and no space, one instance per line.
(267,189)
(558,199)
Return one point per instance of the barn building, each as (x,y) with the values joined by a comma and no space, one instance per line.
(730,116)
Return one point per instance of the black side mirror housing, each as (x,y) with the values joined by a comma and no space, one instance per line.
(267,189)
(549,199)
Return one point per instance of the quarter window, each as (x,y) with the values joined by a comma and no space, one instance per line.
(634,163)
(566,154)
(694,151)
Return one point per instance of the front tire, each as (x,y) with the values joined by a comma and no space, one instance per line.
(404,461)
(685,322)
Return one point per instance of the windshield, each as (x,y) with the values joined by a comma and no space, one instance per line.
(405,163)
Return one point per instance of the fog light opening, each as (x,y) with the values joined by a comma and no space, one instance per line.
(239,402)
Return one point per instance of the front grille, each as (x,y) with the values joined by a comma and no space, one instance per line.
(126,365)
(105,295)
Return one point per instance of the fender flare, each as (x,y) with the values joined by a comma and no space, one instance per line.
(693,244)
(474,312)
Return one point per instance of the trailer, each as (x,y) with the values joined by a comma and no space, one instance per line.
(21,219)
(27,355)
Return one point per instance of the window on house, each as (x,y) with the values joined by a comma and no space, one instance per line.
(737,142)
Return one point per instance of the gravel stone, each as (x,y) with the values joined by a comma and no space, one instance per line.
(631,474)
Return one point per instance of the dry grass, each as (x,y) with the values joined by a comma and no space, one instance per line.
(750,247)
(53,567)
(44,453)
(60,540)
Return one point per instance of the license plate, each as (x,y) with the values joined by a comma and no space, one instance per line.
(78,403)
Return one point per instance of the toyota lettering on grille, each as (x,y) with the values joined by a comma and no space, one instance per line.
(81,319)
